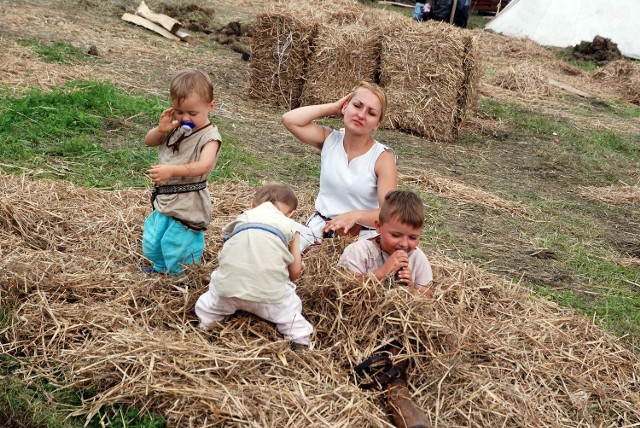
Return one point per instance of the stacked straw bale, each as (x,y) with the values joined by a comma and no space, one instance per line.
(430,71)
(481,352)
(422,72)
(282,43)
(343,56)
(280,48)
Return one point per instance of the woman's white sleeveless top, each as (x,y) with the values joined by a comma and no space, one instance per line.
(347,186)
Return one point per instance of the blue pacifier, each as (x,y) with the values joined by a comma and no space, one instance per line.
(186,128)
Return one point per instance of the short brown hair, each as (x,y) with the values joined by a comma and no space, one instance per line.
(377,91)
(276,192)
(403,205)
(191,81)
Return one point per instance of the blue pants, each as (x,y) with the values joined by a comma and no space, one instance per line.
(169,245)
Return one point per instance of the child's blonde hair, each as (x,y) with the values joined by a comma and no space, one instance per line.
(377,91)
(191,81)
(276,192)
(405,206)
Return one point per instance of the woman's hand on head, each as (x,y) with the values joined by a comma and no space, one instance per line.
(340,103)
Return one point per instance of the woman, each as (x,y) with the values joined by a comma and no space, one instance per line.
(356,171)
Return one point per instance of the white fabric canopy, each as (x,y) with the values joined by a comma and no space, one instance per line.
(563,23)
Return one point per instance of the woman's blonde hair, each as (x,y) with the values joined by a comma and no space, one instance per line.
(377,91)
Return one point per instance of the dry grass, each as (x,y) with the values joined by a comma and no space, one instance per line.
(623,194)
(460,192)
(482,352)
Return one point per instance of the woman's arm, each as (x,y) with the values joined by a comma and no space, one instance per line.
(387,173)
(300,121)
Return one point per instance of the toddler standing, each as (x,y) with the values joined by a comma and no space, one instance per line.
(188,148)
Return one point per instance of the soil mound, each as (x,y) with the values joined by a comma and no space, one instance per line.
(601,50)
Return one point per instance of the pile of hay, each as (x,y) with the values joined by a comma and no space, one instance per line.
(624,77)
(481,353)
(458,191)
(316,52)
(615,194)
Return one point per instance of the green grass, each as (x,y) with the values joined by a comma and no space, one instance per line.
(578,149)
(235,162)
(585,65)
(58,51)
(69,133)
(40,404)
(65,133)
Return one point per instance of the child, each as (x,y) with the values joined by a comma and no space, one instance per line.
(394,252)
(173,233)
(259,260)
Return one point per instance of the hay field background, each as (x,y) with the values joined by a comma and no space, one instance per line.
(484,352)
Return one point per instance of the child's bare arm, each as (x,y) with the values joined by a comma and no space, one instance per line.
(295,268)
(161,173)
(156,135)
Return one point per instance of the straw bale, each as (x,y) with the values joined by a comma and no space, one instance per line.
(280,48)
(284,44)
(461,192)
(422,71)
(342,57)
(481,353)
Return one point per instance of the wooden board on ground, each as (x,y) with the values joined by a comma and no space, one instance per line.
(185,37)
(164,21)
(139,20)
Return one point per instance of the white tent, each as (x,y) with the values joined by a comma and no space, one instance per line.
(564,23)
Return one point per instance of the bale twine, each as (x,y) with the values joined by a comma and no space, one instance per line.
(280,47)
(422,72)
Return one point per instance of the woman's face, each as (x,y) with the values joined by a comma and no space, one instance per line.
(361,114)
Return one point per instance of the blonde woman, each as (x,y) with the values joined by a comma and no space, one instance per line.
(356,171)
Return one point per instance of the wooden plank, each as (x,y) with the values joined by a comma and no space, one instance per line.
(568,88)
(164,21)
(186,37)
(138,20)
(395,3)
